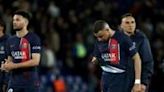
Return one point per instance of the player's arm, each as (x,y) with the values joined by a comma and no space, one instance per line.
(30,63)
(130,49)
(137,66)
(9,65)
(95,54)
(147,61)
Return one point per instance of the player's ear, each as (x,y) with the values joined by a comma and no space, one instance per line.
(94,34)
(121,26)
(26,21)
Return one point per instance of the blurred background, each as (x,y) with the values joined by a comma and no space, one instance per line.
(64,27)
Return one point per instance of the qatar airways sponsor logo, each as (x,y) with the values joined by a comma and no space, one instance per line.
(108,56)
(19,54)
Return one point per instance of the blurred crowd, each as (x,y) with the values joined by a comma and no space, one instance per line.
(64,27)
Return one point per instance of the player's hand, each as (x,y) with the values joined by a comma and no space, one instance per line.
(8,65)
(2,66)
(143,88)
(94,60)
(136,88)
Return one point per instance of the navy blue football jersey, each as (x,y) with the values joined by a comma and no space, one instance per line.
(3,40)
(3,55)
(116,52)
(21,49)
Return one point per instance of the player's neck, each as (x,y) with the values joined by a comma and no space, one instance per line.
(22,33)
(112,32)
(130,34)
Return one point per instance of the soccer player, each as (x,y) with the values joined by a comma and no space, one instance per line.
(113,50)
(3,55)
(23,56)
(128,25)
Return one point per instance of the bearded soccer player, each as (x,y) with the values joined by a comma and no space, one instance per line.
(3,55)
(113,50)
(23,56)
(128,26)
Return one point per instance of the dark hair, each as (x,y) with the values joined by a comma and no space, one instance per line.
(25,14)
(127,15)
(99,25)
(2,23)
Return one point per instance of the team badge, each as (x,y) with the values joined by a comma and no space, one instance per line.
(2,48)
(113,46)
(11,46)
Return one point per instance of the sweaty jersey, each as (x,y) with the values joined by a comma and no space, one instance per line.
(114,54)
(21,49)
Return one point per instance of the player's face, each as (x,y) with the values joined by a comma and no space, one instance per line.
(18,22)
(128,25)
(102,35)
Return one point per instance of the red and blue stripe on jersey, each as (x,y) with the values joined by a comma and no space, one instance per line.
(25,49)
(114,49)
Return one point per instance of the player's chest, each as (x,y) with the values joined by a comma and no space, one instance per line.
(2,48)
(107,47)
(19,44)
(137,43)
(20,49)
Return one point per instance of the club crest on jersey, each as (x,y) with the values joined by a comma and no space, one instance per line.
(24,45)
(133,46)
(113,46)
(2,48)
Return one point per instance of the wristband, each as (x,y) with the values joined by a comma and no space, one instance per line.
(137,81)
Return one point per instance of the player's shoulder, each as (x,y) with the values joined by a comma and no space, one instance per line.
(32,34)
(121,35)
(12,37)
(119,32)
(140,34)
(6,36)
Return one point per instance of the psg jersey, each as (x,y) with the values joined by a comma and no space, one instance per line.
(21,50)
(3,55)
(115,53)
(3,40)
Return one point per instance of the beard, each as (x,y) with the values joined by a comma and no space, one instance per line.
(17,29)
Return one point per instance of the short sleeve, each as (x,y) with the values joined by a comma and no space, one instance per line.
(35,44)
